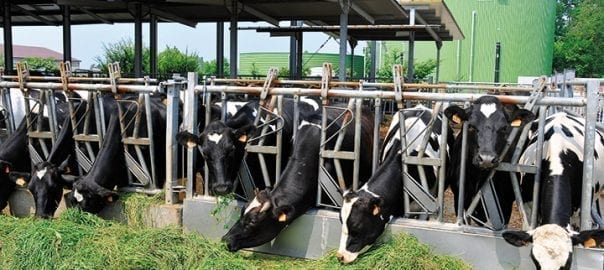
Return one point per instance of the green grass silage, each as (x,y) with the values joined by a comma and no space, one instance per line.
(78,240)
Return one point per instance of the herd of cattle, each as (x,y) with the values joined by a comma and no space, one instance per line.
(365,212)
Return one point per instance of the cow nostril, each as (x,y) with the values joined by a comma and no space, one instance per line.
(223,189)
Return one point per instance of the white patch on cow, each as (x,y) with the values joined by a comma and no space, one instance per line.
(366,189)
(215,137)
(345,214)
(255,112)
(306,123)
(255,203)
(41,173)
(488,109)
(310,102)
(551,246)
(78,196)
(414,133)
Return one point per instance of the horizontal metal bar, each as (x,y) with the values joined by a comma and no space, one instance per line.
(507,167)
(323,28)
(40,135)
(81,79)
(141,190)
(454,97)
(261,149)
(338,154)
(136,141)
(85,87)
(87,138)
(422,161)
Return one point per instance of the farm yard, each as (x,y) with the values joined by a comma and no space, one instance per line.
(451,141)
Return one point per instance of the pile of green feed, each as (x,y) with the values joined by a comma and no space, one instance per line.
(78,240)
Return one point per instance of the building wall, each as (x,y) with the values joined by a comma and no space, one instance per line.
(263,61)
(525,30)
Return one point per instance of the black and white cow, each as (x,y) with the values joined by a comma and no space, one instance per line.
(94,190)
(296,192)
(489,124)
(366,212)
(552,245)
(222,144)
(560,191)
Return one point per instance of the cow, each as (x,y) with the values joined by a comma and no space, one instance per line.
(366,212)
(222,144)
(552,245)
(560,191)
(93,191)
(296,192)
(489,124)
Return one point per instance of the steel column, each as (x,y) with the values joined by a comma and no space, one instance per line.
(293,53)
(8,38)
(171,144)
(190,125)
(343,39)
(410,69)
(153,45)
(373,56)
(299,53)
(220,49)
(234,40)
(138,41)
(66,33)
(591,111)
(439,45)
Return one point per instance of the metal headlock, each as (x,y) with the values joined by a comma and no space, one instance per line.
(487,195)
(7,114)
(333,188)
(272,123)
(88,128)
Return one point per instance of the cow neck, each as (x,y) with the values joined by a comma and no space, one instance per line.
(109,166)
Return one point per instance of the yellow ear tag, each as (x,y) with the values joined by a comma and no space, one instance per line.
(243,138)
(110,199)
(376,210)
(20,182)
(456,119)
(191,144)
(589,243)
(282,217)
(516,123)
(165,101)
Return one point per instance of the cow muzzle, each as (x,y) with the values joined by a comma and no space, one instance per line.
(486,161)
(222,189)
(346,257)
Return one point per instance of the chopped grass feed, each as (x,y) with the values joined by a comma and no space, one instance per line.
(78,240)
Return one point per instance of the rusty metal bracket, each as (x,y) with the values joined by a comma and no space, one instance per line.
(65,69)
(114,75)
(397,78)
(325,81)
(22,74)
(271,75)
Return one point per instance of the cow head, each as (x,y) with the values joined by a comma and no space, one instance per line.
(489,124)
(362,224)
(90,196)
(553,245)
(223,148)
(46,185)
(257,224)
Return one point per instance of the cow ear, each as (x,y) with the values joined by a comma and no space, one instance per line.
(242,133)
(589,239)
(6,166)
(284,213)
(456,114)
(517,238)
(187,139)
(375,204)
(64,167)
(521,117)
(20,179)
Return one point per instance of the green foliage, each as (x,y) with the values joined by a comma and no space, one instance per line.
(392,57)
(172,60)
(42,64)
(424,69)
(2,60)
(580,46)
(122,52)
(563,15)
(209,68)
(78,240)
(421,69)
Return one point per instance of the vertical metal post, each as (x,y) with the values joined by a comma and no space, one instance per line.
(462,174)
(442,173)
(138,41)
(352,46)
(538,157)
(299,53)
(588,153)
(190,124)
(343,39)
(220,49)
(153,45)
(233,41)
(410,69)
(377,105)
(472,42)
(439,45)
(296,116)
(292,53)
(7,26)
(497,60)
(171,144)
(66,33)
(373,56)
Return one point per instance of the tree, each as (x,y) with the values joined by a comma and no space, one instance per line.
(47,65)
(580,46)
(172,60)
(209,68)
(122,52)
(563,15)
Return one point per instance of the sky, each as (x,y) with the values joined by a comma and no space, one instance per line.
(88,40)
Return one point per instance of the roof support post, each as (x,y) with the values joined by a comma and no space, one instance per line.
(353,44)
(345,5)
(66,33)
(410,56)
(299,54)
(153,45)
(292,53)
(8,38)
(373,56)
(439,45)
(138,41)
(220,49)
(234,40)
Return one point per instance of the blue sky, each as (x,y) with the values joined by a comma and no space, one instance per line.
(88,40)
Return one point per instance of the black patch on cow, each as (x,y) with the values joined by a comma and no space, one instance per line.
(567,132)
(574,119)
(579,130)
(596,154)
(601,138)
(548,134)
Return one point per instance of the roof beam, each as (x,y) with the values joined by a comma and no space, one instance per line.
(172,17)
(429,29)
(94,15)
(260,15)
(360,11)
(36,16)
